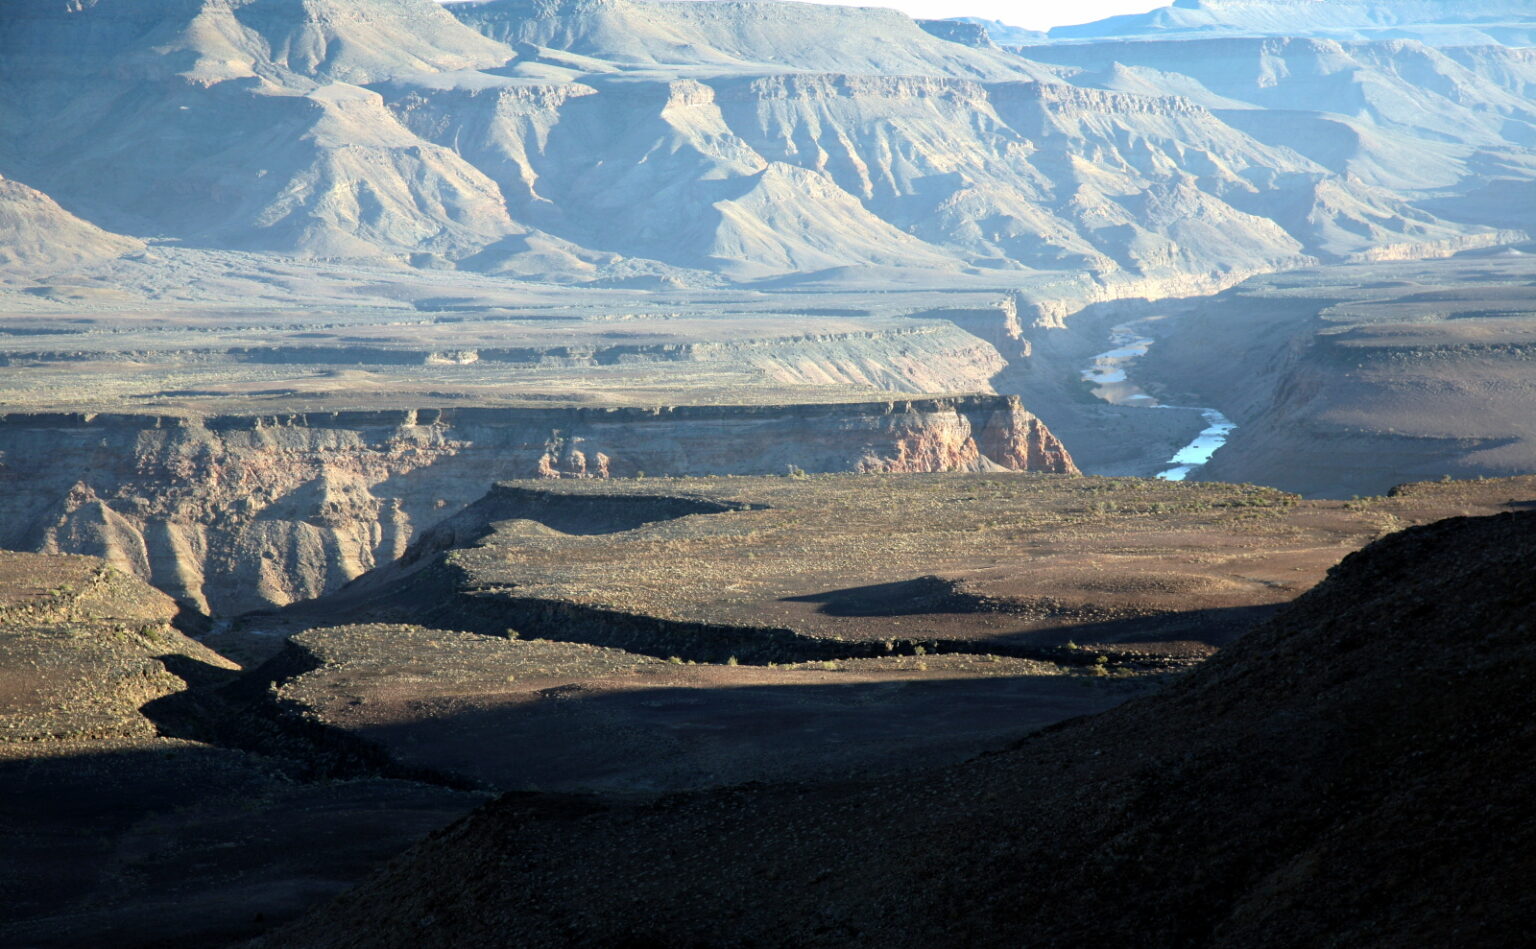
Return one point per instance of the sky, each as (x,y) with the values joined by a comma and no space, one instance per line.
(1031,14)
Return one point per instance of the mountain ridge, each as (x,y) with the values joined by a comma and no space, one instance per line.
(1440,22)
(701,144)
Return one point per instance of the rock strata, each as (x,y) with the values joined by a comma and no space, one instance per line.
(235,513)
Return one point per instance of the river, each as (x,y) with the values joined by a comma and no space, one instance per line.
(1110,376)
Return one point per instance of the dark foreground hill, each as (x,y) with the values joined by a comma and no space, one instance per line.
(1356,771)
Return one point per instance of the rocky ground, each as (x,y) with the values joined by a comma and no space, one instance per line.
(620,642)
(1355,771)
(84,648)
(830,567)
(130,836)
(565,717)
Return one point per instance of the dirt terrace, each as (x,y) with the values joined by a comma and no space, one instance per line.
(1008,562)
(549,716)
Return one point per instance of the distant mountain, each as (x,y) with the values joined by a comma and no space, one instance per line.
(37,236)
(208,41)
(735,34)
(1001,33)
(1399,115)
(235,123)
(1437,22)
(959,31)
(697,143)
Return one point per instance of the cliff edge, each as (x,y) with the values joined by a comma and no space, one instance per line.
(235,513)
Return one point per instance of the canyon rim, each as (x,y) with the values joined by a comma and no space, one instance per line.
(633,453)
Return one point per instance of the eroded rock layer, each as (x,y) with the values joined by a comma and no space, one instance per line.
(234,513)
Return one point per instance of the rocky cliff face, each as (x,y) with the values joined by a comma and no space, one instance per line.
(235,513)
(1351,380)
(608,140)
(732,34)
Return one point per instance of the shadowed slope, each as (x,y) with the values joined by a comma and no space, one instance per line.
(119,833)
(1353,772)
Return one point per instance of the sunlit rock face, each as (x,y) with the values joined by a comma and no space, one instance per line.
(236,513)
(737,147)
(587,141)
(38,236)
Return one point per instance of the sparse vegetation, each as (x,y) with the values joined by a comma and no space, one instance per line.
(384,252)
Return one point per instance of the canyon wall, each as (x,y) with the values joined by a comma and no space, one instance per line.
(235,513)
(1348,381)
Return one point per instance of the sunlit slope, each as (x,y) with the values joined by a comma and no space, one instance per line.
(737,34)
(697,144)
(1012,176)
(230,123)
(209,40)
(37,235)
(1397,115)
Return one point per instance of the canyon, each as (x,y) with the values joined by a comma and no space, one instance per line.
(540,446)
(249,459)
(634,204)
(389,252)
(230,514)
(1352,380)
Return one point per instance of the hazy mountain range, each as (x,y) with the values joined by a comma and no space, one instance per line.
(699,143)
(1439,22)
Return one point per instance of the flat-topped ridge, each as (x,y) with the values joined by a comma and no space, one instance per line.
(511,415)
